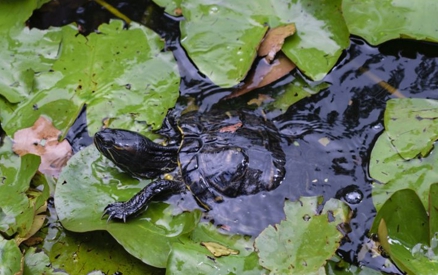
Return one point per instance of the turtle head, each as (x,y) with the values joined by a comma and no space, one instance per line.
(135,153)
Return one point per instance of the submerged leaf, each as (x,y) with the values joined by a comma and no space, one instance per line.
(264,74)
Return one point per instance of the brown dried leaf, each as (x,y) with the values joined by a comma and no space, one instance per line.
(42,139)
(274,40)
(265,73)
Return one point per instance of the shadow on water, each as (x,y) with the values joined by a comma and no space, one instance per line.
(348,115)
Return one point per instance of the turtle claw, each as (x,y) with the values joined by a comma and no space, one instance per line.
(116,211)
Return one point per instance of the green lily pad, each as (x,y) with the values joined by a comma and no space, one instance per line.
(205,232)
(409,132)
(289,248)
(221,37)
(38,263)
(10,257)
(81,253)
(120,74)
(191,257)
(196,259)
(17,208)
(403,227)
(433,210)
(412,125)
(404,214)
(380,21)
(24,53)
(89,182)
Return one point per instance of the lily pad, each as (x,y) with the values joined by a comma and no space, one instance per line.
(229,33)
(38,263)
(10,257)
(380,21)
(412,125)
(17,208)
(24,52)
(408,133)
(196,259)
(81,253)
(289,248)
(120,74)
(89,182)
(403,228)
(191,257)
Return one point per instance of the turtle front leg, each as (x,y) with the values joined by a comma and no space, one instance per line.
(138,203)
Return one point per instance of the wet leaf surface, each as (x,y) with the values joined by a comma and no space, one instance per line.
(108,72)
(380,21)
(190,257)
(42,139)
(38,263)
(24,52)
(81,253)
(289,247)
(409,132)
(412,126)
(220,31)
(196,259)
(18,204)
(10,257)
(81,212)
(403,228)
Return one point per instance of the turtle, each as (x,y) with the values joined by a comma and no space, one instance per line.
(215,155)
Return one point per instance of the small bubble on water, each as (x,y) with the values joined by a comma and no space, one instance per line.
(353,197)
(306,217)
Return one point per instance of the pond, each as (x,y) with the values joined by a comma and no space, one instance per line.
(327,136)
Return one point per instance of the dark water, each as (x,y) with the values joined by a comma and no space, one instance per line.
(348,114)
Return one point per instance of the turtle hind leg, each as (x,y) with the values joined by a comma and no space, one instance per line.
(138,203)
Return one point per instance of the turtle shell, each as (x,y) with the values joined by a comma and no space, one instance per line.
(232,153)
